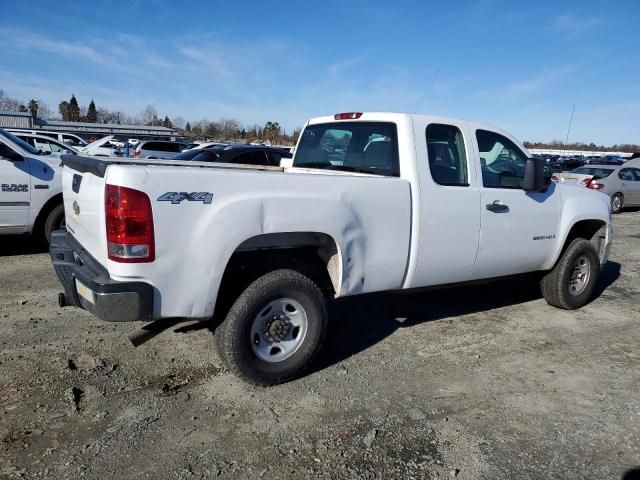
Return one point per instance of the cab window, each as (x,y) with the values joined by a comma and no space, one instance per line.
(502,162)
(447,155)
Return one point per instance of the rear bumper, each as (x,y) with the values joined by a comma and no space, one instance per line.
(87,284)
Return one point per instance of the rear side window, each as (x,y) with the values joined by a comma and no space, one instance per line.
(162,147)
(257,157)
(626,174)
(447,155)
(636,172)
(367,147)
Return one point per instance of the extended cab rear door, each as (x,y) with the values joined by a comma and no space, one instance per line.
(449,202)
(518,228)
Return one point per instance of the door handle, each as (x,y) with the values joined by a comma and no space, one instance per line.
(497,207)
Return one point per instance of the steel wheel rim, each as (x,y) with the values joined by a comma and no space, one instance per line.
(580,275)
(278,330)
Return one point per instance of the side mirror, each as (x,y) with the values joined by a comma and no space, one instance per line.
(534,177)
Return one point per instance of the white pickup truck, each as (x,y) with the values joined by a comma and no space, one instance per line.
(30,189)
(372,202)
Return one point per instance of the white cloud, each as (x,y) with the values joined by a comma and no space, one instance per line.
(338,67)
(572,26)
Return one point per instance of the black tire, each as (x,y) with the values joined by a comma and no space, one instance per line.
(556,285)
(54,221)
(233,337)
(617,203)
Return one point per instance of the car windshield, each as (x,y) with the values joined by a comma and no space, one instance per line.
(198,155)
(365,147)
(21,143)
(596,172)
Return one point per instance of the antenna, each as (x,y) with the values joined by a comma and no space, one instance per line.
(566,139)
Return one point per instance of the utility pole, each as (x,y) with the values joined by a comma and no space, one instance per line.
(566,139)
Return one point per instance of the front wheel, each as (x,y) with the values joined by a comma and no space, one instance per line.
(275,328)
(571,282)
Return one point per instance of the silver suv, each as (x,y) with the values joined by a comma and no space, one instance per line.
(158,149)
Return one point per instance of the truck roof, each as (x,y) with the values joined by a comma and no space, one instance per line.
(398,117)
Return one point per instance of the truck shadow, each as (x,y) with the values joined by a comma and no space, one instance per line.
(360,322)
(11,245)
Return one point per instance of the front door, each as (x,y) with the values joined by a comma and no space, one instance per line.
(518,227)
(15,194)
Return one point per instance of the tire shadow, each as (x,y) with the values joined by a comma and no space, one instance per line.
(358,323)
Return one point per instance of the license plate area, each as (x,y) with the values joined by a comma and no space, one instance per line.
(85,292)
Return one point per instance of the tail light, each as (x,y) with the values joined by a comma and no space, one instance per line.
(129,221)
(554,178)
(347,116)
(136,153)
(586,181)
(593,185)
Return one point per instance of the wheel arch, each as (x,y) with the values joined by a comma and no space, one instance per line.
(315,254)
(49,205)
(593,229)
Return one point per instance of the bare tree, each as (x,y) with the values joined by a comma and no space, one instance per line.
(149,115)
(8,104)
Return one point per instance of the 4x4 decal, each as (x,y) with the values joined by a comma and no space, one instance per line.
(177,197)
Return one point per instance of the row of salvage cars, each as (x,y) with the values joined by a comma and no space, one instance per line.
(620,182)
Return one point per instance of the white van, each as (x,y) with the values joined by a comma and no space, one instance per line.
(68,138)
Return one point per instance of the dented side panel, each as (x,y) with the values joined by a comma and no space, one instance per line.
(368,217)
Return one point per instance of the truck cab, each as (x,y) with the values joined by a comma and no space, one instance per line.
(30,189)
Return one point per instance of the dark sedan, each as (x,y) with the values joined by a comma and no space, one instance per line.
(240,154)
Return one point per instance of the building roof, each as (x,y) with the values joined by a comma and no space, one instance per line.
(15,114)
(74,125)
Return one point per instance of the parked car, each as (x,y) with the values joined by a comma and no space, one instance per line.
(621,183)
(30,189)
(240,154)
(46,144)
(265,248)
(612,160)
(68,138)
(158,149)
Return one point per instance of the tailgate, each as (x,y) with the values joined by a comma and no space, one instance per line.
(83,192)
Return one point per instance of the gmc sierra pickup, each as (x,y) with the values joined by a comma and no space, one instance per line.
(372,202)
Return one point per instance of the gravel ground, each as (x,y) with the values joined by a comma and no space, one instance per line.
(419,385)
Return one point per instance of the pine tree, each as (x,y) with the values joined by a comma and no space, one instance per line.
(22,108)
(74,109)
(166,122)
(92,113)
(188,127)
(33,108)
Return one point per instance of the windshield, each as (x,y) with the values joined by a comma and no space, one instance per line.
(596,172)
(21,143)
(365,147)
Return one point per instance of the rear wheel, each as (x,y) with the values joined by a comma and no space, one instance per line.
(571,282)
(275,328)
(54,221)
(617,202)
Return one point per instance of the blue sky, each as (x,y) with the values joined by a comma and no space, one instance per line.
(518,65)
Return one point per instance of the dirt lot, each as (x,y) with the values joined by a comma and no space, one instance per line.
(476,382)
